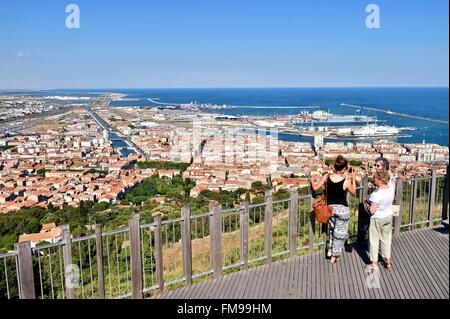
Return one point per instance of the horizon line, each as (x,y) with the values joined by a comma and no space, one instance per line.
(219,87)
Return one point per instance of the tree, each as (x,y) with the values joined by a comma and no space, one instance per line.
(32,227)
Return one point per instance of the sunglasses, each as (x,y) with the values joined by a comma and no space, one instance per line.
(378,165)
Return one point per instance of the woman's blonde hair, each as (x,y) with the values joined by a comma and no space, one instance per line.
(383,177)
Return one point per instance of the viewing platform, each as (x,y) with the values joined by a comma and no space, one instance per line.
(273,249)
(420,271)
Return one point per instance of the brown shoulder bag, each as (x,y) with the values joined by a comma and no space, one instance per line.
(322,211)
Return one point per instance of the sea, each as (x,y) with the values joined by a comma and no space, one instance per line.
(430,102)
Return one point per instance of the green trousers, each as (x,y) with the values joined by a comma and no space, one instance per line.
(380,236)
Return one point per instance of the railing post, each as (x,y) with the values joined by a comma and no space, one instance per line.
(445,196)
(293,217)
(216,239)
(362,215)
(268,214)
(135,253)
(312,226)
(431,199)
(399,202)
(100,269)
(244,223)
(25,265)
(412,206)
(159,254)
(68,266)
(187,245)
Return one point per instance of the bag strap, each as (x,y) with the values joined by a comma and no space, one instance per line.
(325,189)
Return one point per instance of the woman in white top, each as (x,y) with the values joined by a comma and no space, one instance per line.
(380,229)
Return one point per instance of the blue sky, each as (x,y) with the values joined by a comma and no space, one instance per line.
(223,43)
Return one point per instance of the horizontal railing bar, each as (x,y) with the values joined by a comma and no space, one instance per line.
(286,200)
(230,210)
(281,253)
(423,222)
(76,240)
(206,273)
(122,296)
(10,254)
(173,282)
(201,215)
(150,288)
(257,259)
(117,231)
(239,264)
(148,225)
(171,221)
(257,205)
(37,248)
(303,247)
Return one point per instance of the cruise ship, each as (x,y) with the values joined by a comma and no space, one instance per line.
(376,130)
(327,117)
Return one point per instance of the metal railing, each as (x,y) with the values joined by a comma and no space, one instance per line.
(142,260)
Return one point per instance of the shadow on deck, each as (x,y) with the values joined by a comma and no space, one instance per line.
(420,261)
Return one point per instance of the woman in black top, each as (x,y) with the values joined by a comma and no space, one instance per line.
(337,186)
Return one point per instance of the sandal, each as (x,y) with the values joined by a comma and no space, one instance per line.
(372,268)
(335,261)
(387,264)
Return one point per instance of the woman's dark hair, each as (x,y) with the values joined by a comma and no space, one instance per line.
(340,163)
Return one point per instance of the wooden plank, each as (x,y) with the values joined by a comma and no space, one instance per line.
(345,275)
(312,226)
(397,280)
(293,218)
(268,215)
(159,254)
(216,239)
(428,268)
(399,202)
(196,291)
(68,264)
(25,269)
(445,196)
(396,259)
(413,212)
(419,271)
(432,199)
(254,281)
(290,278)
(100,265)
(244,235)
(187,245)
(295,275)
(392,279)
(135,254)
(206,288)
(360,273)
(407,269)
(441,245)
(238,293)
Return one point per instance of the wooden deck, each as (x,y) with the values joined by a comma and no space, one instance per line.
(420,261)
